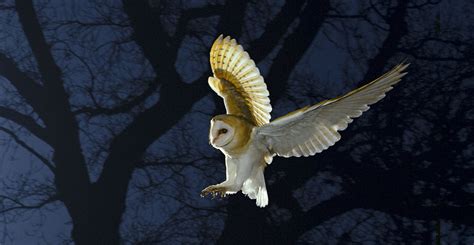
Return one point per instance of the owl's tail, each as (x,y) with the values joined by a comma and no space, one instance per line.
(254,187)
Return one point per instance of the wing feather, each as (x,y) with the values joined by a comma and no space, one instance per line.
(313,129)
(238,81)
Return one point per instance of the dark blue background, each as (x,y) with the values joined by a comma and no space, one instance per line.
(105,109)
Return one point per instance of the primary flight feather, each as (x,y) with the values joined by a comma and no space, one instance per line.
(249,140)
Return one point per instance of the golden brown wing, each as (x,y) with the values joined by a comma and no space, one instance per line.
(313,129)
(238,81)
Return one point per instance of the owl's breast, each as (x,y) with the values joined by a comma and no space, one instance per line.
(238,148)
(252,153)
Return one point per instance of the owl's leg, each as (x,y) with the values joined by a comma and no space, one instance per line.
(238,172)
(226,187)
(244,171)
(230,172)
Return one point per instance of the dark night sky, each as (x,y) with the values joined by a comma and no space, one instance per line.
(109,61)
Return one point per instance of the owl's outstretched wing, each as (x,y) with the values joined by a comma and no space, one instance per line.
(238,81)
(313,129)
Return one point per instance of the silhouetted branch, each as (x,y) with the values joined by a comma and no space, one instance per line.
(50,72)
(24,121)
(191,14)
(295,46)
(397,30)
(28,148)
(18,205)
(318,214)
(26,87)
(276,29)
(391,165)
(123,107)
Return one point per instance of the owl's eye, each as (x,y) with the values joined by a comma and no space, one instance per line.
(222,131)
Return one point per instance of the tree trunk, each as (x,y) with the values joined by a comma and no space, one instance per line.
(102,222)
(245,223)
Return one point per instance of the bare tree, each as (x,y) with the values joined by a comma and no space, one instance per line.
(111,101)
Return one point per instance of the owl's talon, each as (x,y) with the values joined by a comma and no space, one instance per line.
(214,191)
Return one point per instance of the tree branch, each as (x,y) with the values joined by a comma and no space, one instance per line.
(295,46)
(128,147)
(149,34)
(26,122)
(190,14)
(22,206)
(324,211)
(343,203)
(48,68)
(143,130)
(232,17)
(456,214)
(275,29)
(122,107)
(397,30)
(28,148)
(31,91)
(71,174)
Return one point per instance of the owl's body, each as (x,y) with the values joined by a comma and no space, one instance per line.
(245,158)
(249,140)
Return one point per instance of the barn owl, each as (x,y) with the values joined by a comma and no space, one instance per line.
(249,140)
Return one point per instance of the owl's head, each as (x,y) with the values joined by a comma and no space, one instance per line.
(221,133)
(228,132)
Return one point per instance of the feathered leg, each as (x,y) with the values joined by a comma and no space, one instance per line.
(229,185)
